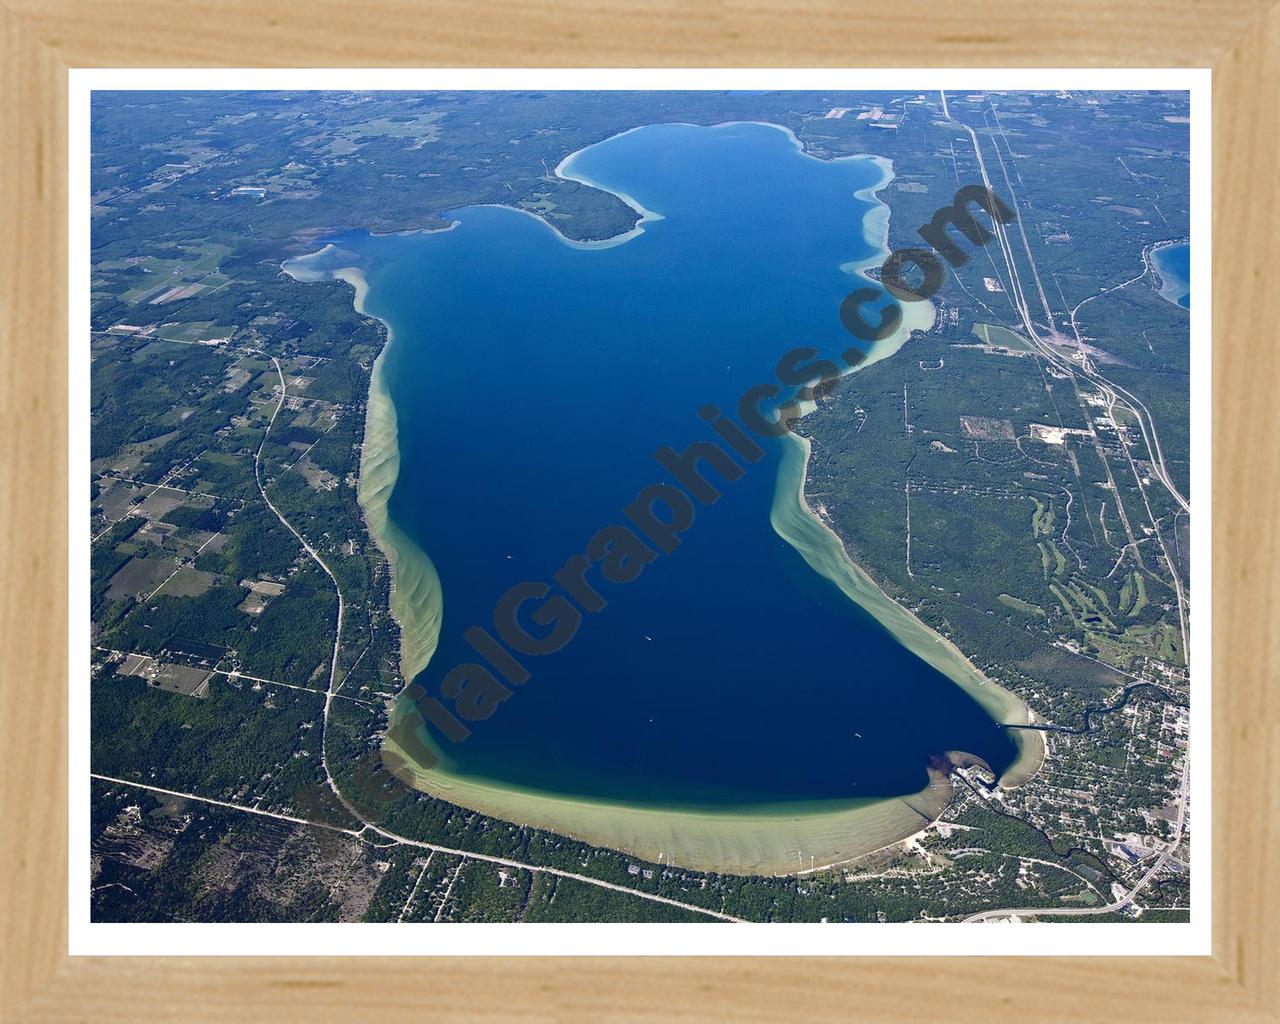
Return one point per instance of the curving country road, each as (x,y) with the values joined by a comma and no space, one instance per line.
(465,854)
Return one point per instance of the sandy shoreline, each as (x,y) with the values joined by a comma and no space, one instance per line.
(417,599)
(793,519)
(758,840)
(824,551)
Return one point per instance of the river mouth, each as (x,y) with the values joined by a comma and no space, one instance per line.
(747,702)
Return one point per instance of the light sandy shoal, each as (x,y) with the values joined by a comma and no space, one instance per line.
(765,840)
(417,599)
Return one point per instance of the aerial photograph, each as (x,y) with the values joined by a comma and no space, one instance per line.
(639,506)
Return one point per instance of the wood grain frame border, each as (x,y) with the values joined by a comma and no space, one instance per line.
(41,39)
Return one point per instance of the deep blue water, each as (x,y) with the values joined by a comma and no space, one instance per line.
(533,382)
(1174,264)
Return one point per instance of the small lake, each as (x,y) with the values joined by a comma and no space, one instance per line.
(1173,265)
(533,381)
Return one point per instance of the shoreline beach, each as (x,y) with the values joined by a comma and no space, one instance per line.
(417,598)
(758,840)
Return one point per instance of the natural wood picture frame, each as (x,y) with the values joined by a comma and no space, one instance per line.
(42,39)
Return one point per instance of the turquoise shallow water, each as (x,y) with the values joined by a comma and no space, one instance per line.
(533,381)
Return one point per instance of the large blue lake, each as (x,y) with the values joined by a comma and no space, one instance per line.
(533,381)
